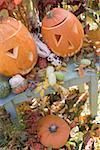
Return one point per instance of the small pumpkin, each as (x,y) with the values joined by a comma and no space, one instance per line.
(5,88)
(53,131)
(18,84)
(17,48)
(62,32)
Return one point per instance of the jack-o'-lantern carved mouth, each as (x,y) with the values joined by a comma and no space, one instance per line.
(58,39)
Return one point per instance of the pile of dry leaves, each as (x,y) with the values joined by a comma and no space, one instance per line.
(65,103)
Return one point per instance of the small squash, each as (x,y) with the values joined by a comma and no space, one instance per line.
(5,88)
(53,131)
(18,84)
(59,75)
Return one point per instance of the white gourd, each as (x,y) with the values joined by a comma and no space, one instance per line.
(52,79)
(16,81)
(50,69)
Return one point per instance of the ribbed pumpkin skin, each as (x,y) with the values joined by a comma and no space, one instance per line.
(62,32)
(56,139)
(4,88)
(14,36)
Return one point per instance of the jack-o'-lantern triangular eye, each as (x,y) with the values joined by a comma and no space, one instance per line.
(58,37)
(13,53)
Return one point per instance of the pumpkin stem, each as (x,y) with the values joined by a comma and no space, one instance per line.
(49,14)
(53,128)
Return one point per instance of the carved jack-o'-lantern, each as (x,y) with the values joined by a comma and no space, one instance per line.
(62,32)
(18,52)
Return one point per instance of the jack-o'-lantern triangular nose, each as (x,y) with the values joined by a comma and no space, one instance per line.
(13,53)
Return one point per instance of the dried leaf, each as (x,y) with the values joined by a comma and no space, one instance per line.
(83,97)
(26,148)
(45,84)
(42,93)
(38,89)
(94,35)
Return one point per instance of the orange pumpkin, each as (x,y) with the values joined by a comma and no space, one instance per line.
(62,32)
(18,52)
(53,131)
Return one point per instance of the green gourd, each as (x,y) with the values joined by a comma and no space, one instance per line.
(5,88)
(59,75)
